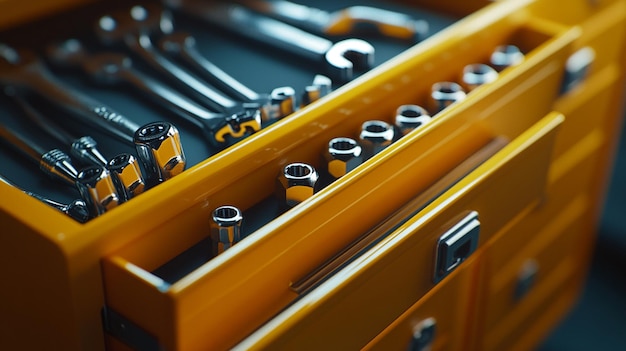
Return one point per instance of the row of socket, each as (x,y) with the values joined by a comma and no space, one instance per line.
(299,181)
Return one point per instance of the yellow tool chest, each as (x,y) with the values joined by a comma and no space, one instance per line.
(485,217)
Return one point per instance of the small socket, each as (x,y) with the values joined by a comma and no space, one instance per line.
(160,151)
(297,183)
(342,156)
(444,94)
(375,136)
(126,176)
(410,117)
(282,103)
(97,189)
(477,74)
(225,228)
(506,56)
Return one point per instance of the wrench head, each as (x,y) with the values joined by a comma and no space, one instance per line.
(238,126)
(141,19)
(347,56)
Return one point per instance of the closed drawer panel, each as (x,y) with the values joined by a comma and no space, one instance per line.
(399,270)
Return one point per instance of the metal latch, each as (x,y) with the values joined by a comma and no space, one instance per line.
(455,245)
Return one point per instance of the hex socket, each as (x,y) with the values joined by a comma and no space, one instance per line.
(375,136)
(506,56)
(444,94)
(282,102)
(160,151)
(126,176)
(477,74)
(97,189)
(410,117)
(225,228)
(297,183)
(342,156)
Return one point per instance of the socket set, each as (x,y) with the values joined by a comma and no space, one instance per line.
(279,175)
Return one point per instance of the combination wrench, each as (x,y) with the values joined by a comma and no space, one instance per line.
(341,59)
(98,192)
(158,143)
(76,209)
(111,68)
(182,46)
(353,20)
(124,168)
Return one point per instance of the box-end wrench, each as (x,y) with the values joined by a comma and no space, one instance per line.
(24,73)
(76,209)
(353,20)
(112,68)
(182,46)
(124,168)
(341,58)
(132,30)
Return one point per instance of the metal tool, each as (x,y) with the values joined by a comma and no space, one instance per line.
(225,228)
(296,183)
(342,156)
(375,136)
(83,148)
(477,74)
(132,30)
(96,187)
(354,20)
(54,163)
(506,56)
(112,68)
(320,87)
(22,72)
(159,148)
(76,209)
(444,94)
(341,58)
(183,46)
(410,117)
(127,177)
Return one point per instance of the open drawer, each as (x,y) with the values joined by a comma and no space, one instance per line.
(256,274)
(347,309)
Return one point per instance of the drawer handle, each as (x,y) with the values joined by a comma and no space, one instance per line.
(456,245)
(423,335)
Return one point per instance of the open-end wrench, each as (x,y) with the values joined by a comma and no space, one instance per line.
(24,73)
(116,68)
(341,58)
(76,209)
(132,30)
(352,20)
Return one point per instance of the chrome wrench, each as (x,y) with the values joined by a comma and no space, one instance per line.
(341,58)
(24,73)
(112,68)
(351,20)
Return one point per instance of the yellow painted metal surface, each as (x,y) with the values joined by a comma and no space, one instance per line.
(550,179)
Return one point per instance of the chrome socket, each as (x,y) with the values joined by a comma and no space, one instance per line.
(375,136)
(225,228)
(96,188)
(410,117)
(320,87)
(160,151)
(342,156)
(297,183)
(506,56)
(282,103)
(477,74)
(126,174)
(444,94)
